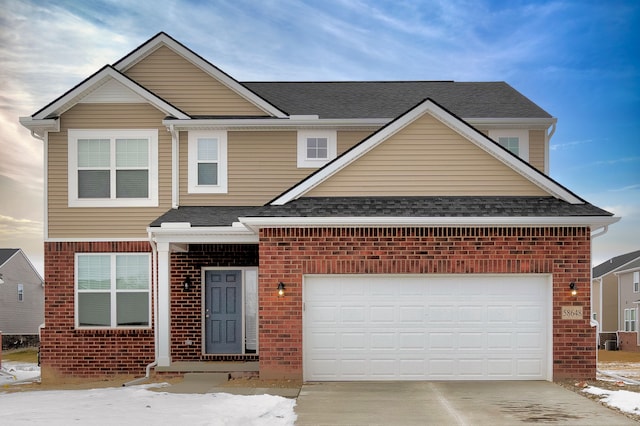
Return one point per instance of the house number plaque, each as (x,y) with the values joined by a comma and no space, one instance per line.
(571,312)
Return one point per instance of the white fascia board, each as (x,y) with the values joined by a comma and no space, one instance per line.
(513,123)
(277,123)
(74,96)
(627,271)
(459,126)
(256,223)
(207,67)
(39,127)
(204,234)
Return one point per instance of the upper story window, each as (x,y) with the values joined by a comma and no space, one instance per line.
(630,319)
(113,168)
(514,140)
(636,282)
(316,147)
(207,162)
(20,292)
(113,290)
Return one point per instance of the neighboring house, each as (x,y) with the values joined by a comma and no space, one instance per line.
(615,299)
(21,298)
(320,230)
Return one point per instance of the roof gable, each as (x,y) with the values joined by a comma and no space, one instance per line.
(163,40)
(463,130)
(6,254)
(615,263)
(97,85)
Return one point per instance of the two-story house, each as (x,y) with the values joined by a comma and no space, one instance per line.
(21,299)
(615,299)
(319,230)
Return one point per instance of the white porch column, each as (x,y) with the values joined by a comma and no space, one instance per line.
(163,322)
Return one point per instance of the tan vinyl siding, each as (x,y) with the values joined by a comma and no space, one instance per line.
(262,165)
(66,222)
(536,149)
(426,158)
(187,87)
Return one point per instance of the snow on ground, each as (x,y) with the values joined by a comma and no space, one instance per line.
(624,400)
(133,405)
(140,406)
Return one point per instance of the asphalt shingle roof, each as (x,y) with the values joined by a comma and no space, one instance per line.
(5,254)
(615,263)
(389,99)
(386,207)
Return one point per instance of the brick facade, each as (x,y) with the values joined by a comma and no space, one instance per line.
(67,352)
(289,253)
(186,306)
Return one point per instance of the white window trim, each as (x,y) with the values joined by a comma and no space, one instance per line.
(192,181)
(628,320)
(112,291)
(636,282)
(20,292)
(521,134)
(75,134)
(332,147)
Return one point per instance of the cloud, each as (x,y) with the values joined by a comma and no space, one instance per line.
(626,188)
(569,145)
(11,227)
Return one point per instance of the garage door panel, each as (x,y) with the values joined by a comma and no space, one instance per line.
(469,327)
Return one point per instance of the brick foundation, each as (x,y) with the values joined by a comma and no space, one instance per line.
(288,254)
(628,341)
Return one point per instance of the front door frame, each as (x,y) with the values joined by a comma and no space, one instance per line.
(244,272)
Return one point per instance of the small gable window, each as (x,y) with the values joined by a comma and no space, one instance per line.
(316,147)
(20,292)
(515,141)
(207,162)
(636,282)
(113,168)
(510,143)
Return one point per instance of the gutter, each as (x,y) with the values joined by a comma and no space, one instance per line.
(154,275)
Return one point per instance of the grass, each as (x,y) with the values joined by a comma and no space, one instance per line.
(618,356)
(21,355)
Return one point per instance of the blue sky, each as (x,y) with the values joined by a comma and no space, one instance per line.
(577,59)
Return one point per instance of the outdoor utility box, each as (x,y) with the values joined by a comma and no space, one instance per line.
(610,345)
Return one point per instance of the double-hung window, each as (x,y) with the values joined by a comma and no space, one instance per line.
(113,168)
(207,162)
(636,282)
(630,319)
(113,290)
(316,147)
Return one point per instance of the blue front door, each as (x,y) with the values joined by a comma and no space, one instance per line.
(223,312)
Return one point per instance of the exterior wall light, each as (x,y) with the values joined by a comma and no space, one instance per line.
(280,289)
(574,292)
(186,284)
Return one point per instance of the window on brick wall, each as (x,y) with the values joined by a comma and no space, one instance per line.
(112,290)
(630,319)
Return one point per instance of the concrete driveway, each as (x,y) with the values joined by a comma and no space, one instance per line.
(449,403)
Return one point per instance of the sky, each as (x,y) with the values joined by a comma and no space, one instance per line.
(578,59)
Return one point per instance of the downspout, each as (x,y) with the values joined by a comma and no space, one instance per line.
(175,172)
(154,278)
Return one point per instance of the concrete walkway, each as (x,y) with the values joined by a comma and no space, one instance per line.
(449,403)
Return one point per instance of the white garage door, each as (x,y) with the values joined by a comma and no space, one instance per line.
(443,327)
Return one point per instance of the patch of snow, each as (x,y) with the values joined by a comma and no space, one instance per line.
(18,372)
(624,400)
(136,405)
